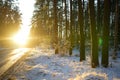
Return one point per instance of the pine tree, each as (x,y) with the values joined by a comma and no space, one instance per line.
(10,18)
(94,41)
(106,21)
(116,30)
(71,31)
(66,22)
(81,27)
(55,27)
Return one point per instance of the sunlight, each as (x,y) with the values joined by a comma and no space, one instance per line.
(22,36)
(26,8)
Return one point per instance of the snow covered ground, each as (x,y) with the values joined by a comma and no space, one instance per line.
(43,64)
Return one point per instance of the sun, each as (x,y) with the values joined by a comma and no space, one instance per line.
(22,36)
(26,8)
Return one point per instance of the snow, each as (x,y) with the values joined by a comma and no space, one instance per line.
(43,64)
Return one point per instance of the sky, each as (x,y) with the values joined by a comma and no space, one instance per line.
(26,7)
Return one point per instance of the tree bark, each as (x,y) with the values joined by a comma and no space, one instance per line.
(81,27)
(94,41)
(98,16)
(71,33)
(106,20)
(55,27)
(66,23)
(116,30)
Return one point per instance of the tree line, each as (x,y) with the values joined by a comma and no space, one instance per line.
(75,23)
(10,21)
(10,18)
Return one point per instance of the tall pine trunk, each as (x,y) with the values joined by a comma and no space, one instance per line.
(71,31)
(66,23)
(98,16)
(106,20)
(55,27)
(93,32)
(81,26)
(116,30)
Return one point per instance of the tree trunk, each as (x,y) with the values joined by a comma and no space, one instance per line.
(116,30)
(71,33)
(94,41)
(106,20)
(81,26)
(66,23)
(98,17)
(55,27)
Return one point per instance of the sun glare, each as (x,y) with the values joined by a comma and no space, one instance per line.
(21,37)
(26,8)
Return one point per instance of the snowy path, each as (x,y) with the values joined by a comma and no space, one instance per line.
(44,65)
(8,57)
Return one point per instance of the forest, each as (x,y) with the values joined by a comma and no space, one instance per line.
(81,24)
(68,24)
(10,20)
